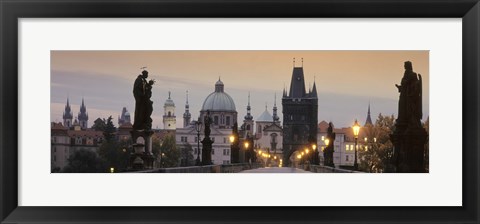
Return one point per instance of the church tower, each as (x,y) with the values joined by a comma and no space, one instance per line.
(248,120)
(169,119)
(83,116)
(276,119)
(186,116)
(67,116)
(300,115)
(369,119)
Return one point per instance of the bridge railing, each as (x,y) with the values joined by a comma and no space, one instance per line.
(226,168)
(326,169)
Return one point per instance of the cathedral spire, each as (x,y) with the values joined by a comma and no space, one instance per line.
(67,115)
(83,116)
(369,119)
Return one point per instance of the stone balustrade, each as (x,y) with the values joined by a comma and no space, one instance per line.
(227,168)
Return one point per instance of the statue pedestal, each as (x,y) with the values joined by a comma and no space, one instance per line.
(409,149)
(142,157)
(207,151)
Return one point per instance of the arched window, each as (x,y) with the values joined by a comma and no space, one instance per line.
(228,121)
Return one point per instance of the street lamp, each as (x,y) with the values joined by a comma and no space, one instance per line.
(233,151)
(356,130)
(315,154)
(198,128)
(247,153)
(326,153)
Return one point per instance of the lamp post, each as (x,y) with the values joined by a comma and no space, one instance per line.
(198,128)
(247,154)
(356,130)
(232,149)
(326,155)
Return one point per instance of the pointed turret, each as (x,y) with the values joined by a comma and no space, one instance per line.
(249,115)
(83,116)
(248,121)
(369,119)
(67,115)
(186,116)
(275,116)
(314,89)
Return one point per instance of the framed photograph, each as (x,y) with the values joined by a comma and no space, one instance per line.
(248,112)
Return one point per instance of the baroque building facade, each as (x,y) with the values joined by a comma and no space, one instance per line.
(223,113)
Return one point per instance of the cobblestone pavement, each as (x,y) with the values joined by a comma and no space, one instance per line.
(276,170)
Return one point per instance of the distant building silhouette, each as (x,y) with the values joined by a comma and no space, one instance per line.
(124,118)
(369,119)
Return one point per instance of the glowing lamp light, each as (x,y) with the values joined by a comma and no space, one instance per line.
(356,128)
(327,141)
(232,138)
(112,170)
(246,145)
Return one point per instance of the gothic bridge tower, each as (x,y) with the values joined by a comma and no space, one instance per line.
(300,115)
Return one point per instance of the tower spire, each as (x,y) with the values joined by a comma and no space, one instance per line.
(369,119)
(249,116)
(83,115)
(275,116)
(186,116)
(67,115)
(314,89)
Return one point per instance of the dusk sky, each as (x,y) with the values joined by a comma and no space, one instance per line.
(346,81)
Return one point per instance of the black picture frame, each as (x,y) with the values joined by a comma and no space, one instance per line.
(12,10)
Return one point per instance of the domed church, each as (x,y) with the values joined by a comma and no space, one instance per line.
(221,107)
(223,113)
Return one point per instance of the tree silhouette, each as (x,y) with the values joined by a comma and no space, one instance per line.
(84,161)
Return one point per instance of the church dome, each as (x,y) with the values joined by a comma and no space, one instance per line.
(218,100)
